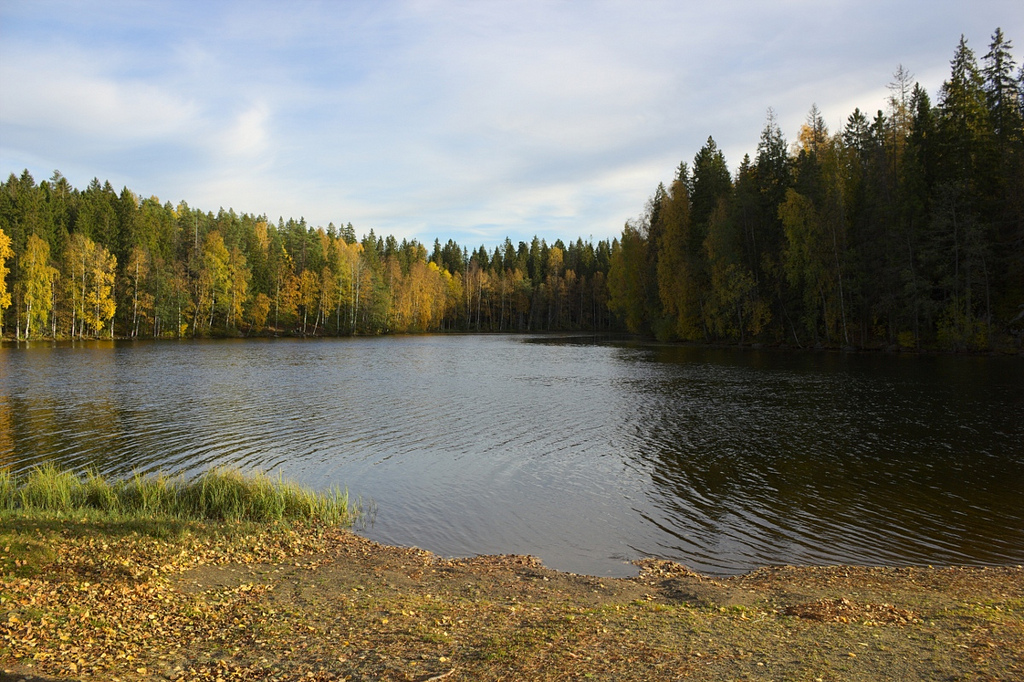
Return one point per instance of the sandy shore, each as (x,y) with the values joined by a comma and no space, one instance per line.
(99,601)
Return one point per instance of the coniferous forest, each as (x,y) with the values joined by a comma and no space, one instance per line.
(903,229)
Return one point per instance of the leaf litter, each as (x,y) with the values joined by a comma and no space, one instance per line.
(276,602)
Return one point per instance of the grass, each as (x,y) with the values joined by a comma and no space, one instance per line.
(93,594)
(218,495)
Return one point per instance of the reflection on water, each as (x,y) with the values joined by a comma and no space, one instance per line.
(586,454)
(834,459)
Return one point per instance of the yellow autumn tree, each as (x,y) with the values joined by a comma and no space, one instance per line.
(430,292)
(627,279)
(678,267)
(99,298)
(5,296)
(89,283)
(328,293)
(555,286)
(258,312)
(422,291)
(75,264)
(309,295)
(346,272)
(36,283)
(453,297)
(394,315)
(213,286)
(519,307)
(238,286)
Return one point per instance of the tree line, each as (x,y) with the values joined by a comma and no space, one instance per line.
(905,228)
(98,263)
(902,229)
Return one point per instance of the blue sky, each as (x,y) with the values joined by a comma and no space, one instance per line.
(465,120)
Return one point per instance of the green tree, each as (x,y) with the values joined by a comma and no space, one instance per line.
(710,189)
(772,173)
(964,124)
(627,275)
(960,245)
(679,273)
(711,184)
(137,271)
(733,308)
(654,225)
(1005,195)
(1002,91)
(916,179)
(807,262)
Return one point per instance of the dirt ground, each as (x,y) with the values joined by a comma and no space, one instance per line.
(315,604)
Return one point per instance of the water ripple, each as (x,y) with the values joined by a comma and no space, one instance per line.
(587,455)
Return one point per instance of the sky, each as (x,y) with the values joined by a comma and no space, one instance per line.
(473,121)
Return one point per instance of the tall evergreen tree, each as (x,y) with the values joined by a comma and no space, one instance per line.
(1006,186)
(774,176)
(1002,91)
(961,240)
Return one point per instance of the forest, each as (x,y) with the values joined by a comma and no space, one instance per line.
(904,229)
(98,263)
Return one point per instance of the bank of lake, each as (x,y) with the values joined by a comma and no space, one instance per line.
(155,598)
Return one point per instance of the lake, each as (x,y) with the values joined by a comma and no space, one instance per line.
(583,452)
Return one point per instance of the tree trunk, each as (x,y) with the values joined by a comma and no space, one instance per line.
(135,302)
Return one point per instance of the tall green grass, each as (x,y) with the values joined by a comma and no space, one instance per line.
(218,494)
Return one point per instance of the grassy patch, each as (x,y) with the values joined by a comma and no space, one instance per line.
(218,494)
(90,592)
(21,556)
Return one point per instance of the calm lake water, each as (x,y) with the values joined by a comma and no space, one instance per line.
(585,454)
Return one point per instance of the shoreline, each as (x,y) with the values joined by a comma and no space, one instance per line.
(605,336)
(634,566)
(140,600)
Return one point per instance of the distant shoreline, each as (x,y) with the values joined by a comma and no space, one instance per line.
(601,337)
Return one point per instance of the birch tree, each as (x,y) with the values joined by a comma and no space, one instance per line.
(36,283)
(5,296)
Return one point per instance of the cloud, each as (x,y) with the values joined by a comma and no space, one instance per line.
(248,135)
(438,118)
(68,93)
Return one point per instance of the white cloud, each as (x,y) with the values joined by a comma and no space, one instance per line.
(69,94)
(248,135)
(435,118)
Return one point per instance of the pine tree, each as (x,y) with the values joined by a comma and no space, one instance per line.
(1002,91)
(964,124)
(773,176)
(961,240)
(1006,187)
